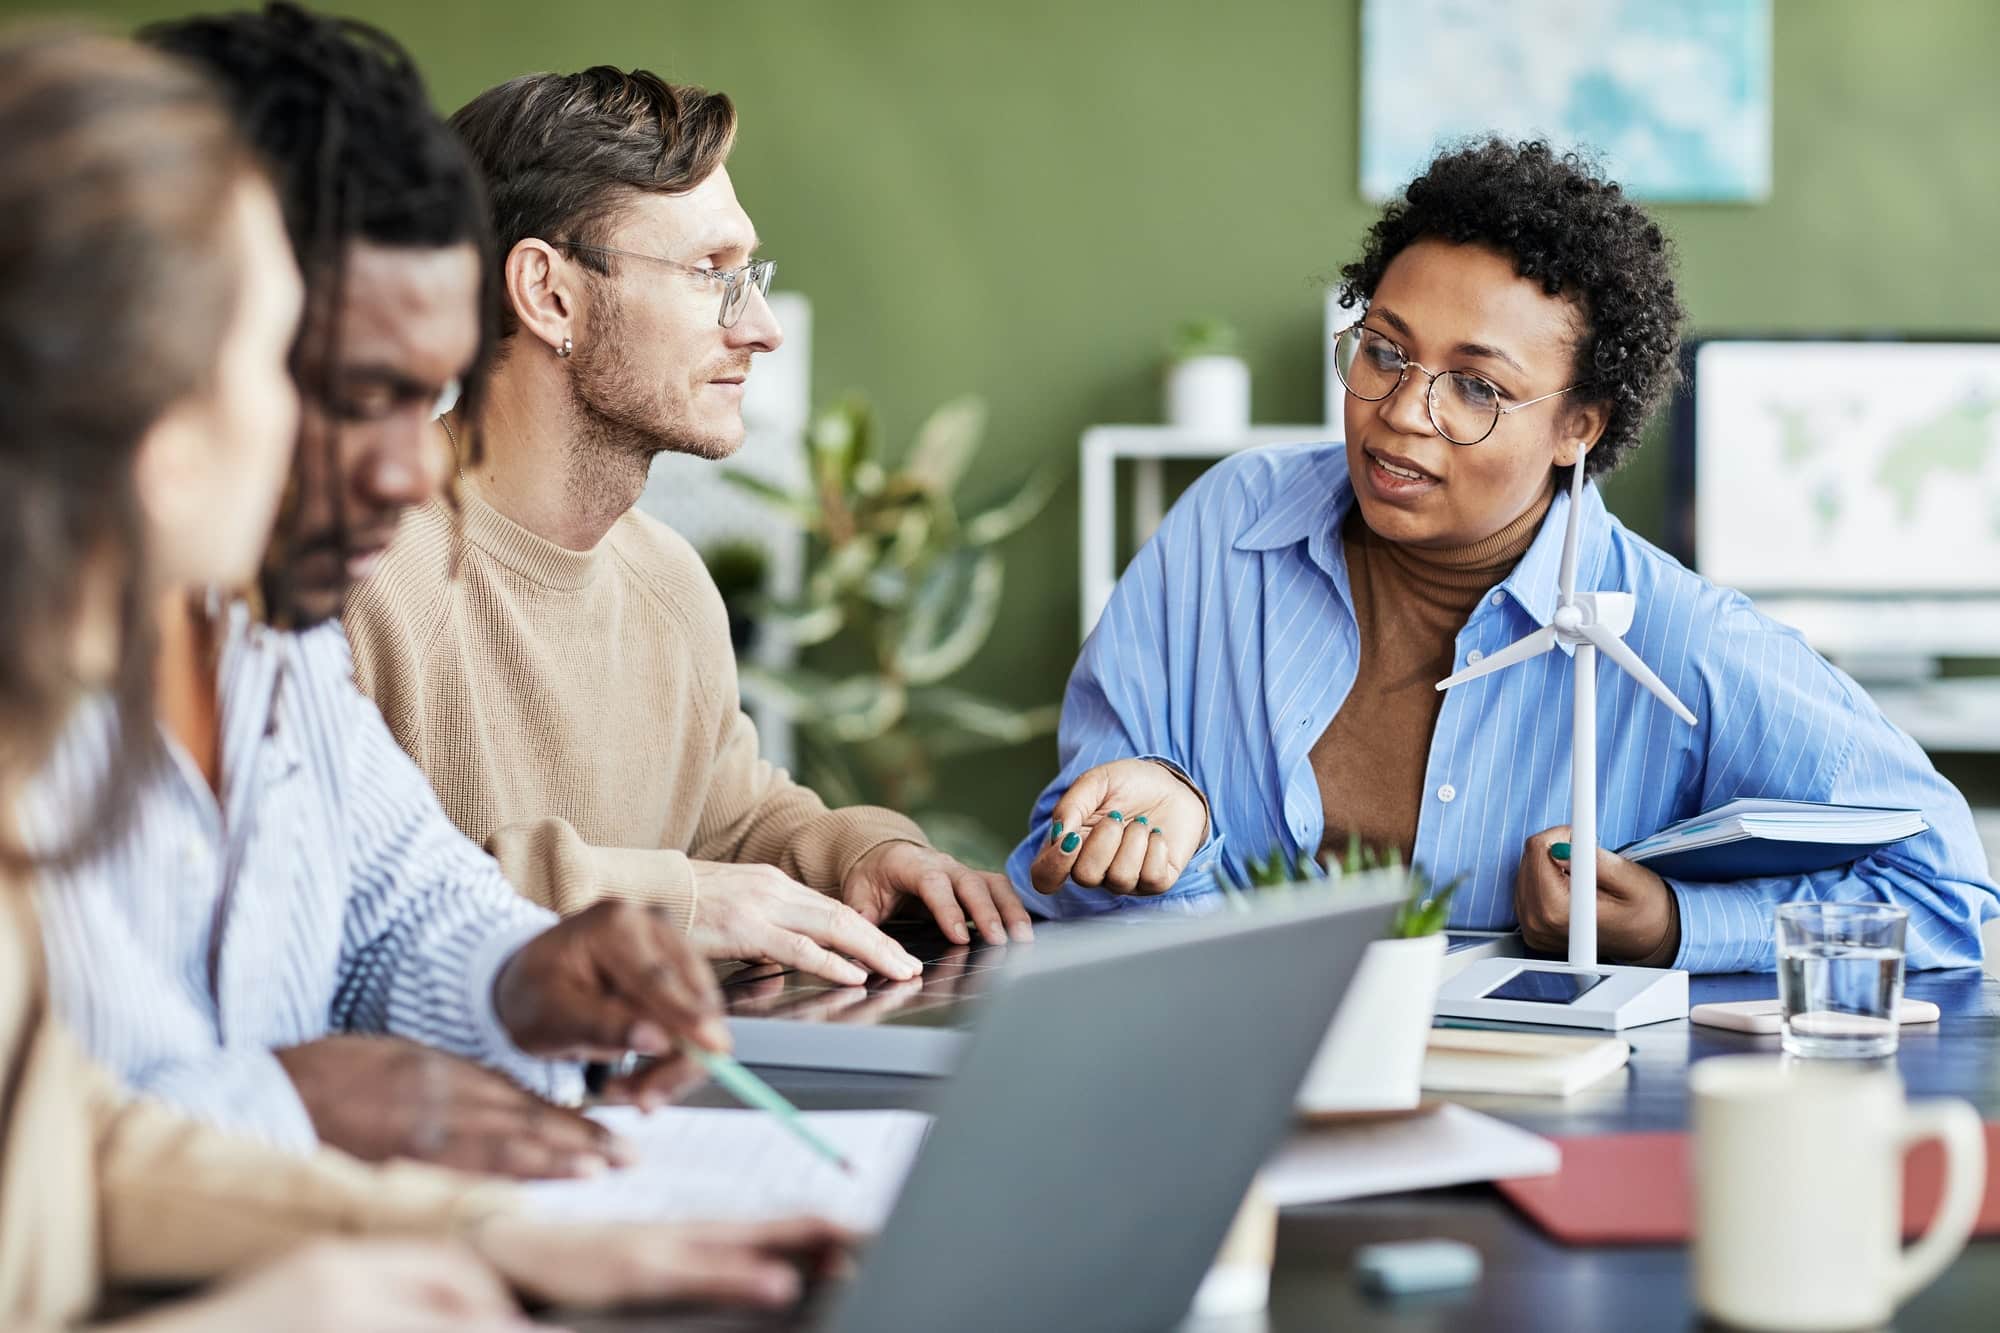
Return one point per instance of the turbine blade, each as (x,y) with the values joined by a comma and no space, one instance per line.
(1520,650)
(1621,652)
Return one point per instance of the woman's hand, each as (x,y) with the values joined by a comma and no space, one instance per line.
(757,1264)
(1128,826)
(1638,920)
(350,1286)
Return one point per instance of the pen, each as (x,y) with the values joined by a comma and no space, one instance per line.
(740,1083)
(747,1088)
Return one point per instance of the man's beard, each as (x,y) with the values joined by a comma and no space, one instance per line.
(301,589)
(620,419)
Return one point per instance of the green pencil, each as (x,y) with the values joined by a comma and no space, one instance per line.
(747,1088)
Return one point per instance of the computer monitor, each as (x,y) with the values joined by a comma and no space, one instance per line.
(1850,485)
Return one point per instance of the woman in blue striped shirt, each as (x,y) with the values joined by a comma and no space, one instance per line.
(1264,673)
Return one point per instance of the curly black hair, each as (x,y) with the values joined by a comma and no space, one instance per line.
(1568,227)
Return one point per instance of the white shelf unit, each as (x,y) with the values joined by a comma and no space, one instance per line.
(1148,448)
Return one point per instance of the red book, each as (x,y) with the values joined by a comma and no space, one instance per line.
(1637,1189)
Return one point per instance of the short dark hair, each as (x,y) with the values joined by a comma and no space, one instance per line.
(563,153)
(340,114)
(1575,232)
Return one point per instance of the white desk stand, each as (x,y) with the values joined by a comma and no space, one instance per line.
(1623,997)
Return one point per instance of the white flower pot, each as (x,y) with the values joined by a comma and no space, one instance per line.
(1209,393)
(1373,1056)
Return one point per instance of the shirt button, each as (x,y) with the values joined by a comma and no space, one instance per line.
(1474,656)
(1447,793)
(1498,599)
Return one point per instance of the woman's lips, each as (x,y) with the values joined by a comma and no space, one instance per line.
(1396,478)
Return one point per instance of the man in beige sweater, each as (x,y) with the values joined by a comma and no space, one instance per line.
(559,664)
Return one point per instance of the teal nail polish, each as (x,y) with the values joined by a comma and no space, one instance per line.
(1142,819)
(1119,815)
(1072,842)
(1560,851)
(1055,830)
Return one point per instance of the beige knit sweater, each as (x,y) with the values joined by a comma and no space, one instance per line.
(577,712)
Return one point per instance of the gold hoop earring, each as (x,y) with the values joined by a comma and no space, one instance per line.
(566,348)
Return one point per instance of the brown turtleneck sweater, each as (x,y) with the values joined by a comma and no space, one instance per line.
(1410,605)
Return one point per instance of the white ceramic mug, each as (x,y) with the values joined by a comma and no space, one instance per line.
(1798,1188)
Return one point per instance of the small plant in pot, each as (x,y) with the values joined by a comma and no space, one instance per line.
(1373,1056)
(1208,384)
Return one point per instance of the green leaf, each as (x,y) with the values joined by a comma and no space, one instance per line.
(951,616)
(963,716)
(842,569)
(946,443)
(796,507)
(1004,520)
(857,708)
(802,623)
(840,439)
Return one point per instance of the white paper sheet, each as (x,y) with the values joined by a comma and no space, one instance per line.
(1450,1146)
(702,1163)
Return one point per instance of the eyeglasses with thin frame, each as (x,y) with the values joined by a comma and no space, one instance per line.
(736,282)
(1465,408)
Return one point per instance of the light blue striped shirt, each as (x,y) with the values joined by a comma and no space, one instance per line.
(327,892)
(1231,641)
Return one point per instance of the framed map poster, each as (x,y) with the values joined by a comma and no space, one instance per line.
(1672,96)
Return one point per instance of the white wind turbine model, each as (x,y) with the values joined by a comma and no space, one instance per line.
(1579,993)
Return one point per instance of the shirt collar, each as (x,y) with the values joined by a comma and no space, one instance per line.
(1315,508)
(1303,507)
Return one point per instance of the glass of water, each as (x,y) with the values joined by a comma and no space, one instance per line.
(1840,975)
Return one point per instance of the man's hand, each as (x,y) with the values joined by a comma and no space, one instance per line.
(615,977)
(1638,920)
(712,1263)
(383,1097)
(955,895)
(759,914)
(1128,826)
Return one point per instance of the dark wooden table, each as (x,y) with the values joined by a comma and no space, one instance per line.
(1530,1281)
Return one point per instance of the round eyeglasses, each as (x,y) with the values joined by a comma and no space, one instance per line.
(736,282)
(1464,408)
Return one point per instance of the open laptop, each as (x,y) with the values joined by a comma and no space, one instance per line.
(1120,1090)
(778,1016)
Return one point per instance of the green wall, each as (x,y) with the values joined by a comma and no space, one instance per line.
(1022,198)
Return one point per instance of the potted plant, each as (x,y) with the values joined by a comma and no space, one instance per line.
(902,594)
(1372,1058)
(1208,384)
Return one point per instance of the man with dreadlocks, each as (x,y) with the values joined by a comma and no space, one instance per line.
(291,938)
(560,663)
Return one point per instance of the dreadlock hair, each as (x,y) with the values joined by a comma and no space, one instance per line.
(342,117)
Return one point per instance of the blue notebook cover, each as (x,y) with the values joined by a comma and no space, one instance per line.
(1753,858)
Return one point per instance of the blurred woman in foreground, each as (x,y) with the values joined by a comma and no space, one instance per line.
(148,298)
